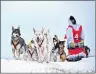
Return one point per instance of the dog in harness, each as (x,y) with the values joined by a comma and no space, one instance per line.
(40,43)
(31,51)
(58,53)
(18,44)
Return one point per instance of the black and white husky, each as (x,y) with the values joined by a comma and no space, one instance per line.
(58,52)
(18,43)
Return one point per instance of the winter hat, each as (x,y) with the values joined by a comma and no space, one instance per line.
(72,19)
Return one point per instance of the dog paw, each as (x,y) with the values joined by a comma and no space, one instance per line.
(17,58)
(14,57)
(47,61)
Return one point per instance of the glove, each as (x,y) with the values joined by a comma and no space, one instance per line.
(81,43)
(73,45)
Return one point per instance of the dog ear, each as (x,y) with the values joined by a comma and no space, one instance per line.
(63,42)
(42,30)
(34,30)
(48,30)
(19,30)
(19,27)
(12,28)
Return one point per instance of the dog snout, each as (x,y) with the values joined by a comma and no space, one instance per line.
(16,35)
(37,38)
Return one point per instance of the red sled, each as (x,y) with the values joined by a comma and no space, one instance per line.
(76,50)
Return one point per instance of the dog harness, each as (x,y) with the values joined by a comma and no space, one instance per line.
(39,46)
(15,45)
(31,53)
(41,43)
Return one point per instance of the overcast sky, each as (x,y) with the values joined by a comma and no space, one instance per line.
(52,15)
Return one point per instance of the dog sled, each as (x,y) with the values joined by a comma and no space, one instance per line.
(79,52)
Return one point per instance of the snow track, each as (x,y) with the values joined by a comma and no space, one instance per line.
(86,65)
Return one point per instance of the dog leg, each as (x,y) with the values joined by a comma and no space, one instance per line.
(18,54)
(40,56)
(13,51)
(47,58)
(29,58)
(36,54)
(55,58)
(48,55)
(58,58)
(51,56)
(24,57)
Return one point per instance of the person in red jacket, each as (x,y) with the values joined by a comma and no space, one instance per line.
(75,41)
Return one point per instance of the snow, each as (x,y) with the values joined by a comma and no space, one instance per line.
(86,65)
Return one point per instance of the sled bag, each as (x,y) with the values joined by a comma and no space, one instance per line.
(75,51)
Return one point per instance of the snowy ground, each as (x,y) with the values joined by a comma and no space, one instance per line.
(86,65)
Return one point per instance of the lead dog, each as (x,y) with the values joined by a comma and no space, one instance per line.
(18,44)
(41,45)
(47,45)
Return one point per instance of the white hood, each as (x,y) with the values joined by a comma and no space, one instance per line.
(76,26)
